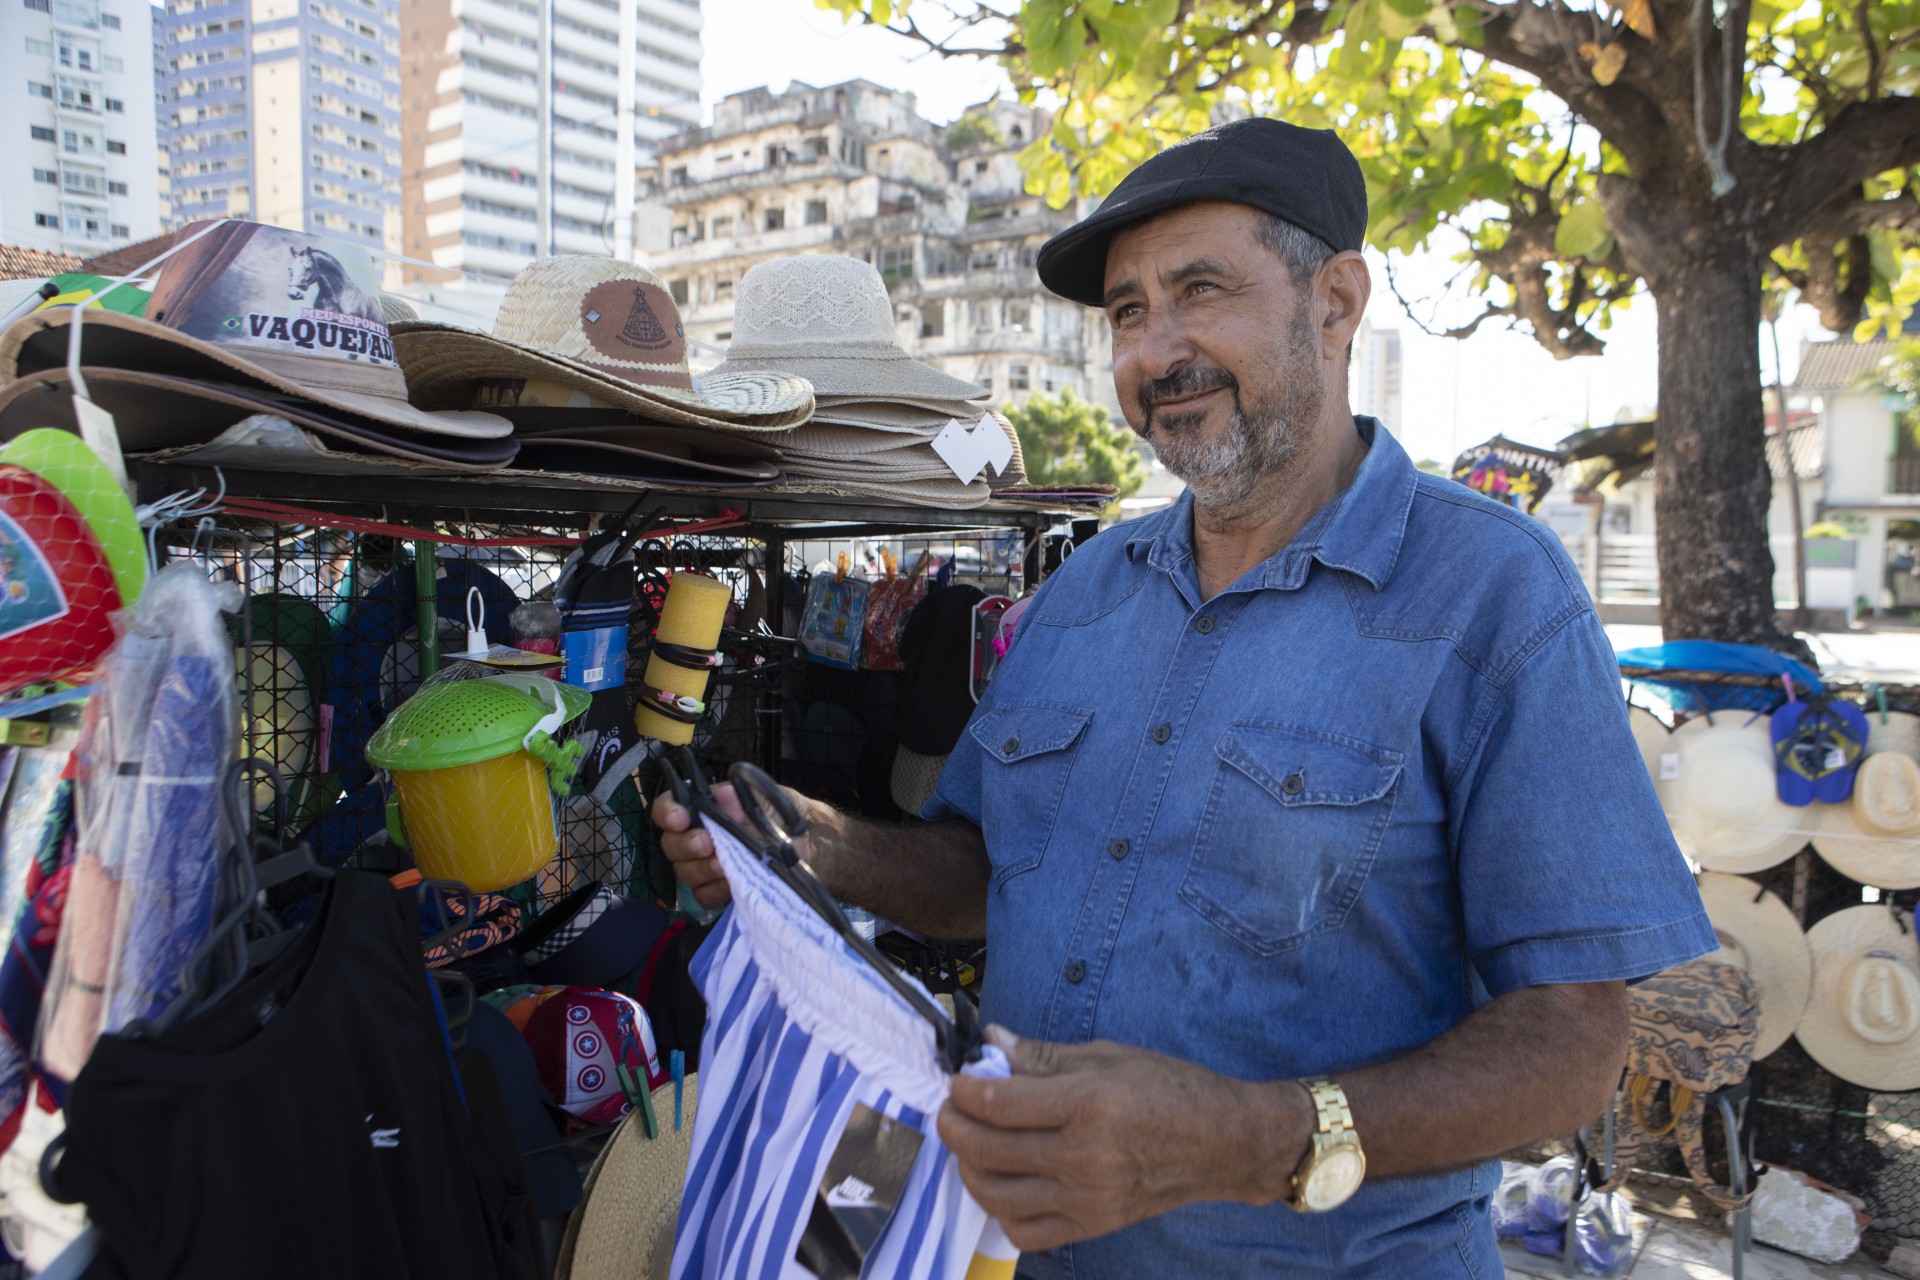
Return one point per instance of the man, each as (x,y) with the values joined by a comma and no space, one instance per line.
(1302,820)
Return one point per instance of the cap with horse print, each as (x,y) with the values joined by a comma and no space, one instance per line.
(250,312)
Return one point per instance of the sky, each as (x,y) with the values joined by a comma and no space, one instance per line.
(1456,393)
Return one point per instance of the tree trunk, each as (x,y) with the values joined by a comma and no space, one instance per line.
(1711,483)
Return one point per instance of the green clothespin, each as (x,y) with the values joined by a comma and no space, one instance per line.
(677,1063)
(1880,700)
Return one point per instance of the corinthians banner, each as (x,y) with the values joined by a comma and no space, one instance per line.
(1515,474)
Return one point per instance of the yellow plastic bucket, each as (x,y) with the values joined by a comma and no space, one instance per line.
(489,824)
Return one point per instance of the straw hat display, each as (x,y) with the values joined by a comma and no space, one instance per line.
(1863,1020)
(1759,934)
(1722,798)
(607,329)
(1875,837)
(624,1229)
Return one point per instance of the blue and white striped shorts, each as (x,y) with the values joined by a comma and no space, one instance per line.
(799,1031)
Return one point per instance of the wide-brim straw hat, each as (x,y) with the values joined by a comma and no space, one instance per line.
(604,327)
(944,492)
(624,1228)
(1758,933)
(1862,1021)
(158,411)
(827,318)
(1875,837)
(829,406)
(1723,800)
(230,308)
(889,416)
(914,777)
(683,455)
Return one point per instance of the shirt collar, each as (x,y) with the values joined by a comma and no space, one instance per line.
(1360,531)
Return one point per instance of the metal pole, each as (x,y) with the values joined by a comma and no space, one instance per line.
(426,585)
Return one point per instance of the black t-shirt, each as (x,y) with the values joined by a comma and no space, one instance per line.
(326,1139)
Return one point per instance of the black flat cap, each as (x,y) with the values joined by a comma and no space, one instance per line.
(1306,176)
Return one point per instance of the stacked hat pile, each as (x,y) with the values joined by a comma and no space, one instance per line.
(245,320)
(588,359)
(878,411)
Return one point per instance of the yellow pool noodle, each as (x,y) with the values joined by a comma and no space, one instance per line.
(691,616)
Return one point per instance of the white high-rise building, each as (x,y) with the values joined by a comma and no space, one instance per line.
(621,74)
(79,171)
(1374,375)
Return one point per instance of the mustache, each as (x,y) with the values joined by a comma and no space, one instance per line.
(1181,383)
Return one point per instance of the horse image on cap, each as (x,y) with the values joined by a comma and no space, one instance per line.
(309,267)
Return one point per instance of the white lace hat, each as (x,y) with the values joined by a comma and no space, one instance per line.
(828,319)
(1875,837)
(1758,933)
(606,328)
(1863,1020)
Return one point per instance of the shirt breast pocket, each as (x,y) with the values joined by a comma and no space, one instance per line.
(1030,749)
(1293,821)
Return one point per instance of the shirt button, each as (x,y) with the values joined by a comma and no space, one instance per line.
(1010,746)
(1118,849)
(1076,971)
(1204,624)
(1161,732)
(1293,784)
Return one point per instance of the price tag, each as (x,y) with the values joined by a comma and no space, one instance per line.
(101,436)
(1669,765)
(967,447)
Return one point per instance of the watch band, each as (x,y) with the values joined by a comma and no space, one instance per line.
(1332,1128)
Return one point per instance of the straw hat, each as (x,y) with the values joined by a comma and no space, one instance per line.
(1875,837)
(828,319)
(1759,934)
(1863,1020)
(1723,800)
(607,328)
(624,1229)
(158,411)
(275,312)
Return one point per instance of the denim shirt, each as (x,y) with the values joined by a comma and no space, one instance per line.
(1310,824)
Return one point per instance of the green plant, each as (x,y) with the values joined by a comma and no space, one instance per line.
(1065,440)
(1826,529)
(970,131)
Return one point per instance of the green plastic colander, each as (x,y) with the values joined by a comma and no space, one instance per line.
(463,722)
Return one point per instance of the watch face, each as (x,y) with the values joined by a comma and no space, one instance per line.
(1335,1176)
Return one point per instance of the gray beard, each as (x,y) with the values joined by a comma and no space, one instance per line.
(1261,439)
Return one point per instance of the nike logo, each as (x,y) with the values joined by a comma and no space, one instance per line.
(383,1138)
(850,1194)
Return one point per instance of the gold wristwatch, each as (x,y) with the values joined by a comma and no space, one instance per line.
(1335,1164)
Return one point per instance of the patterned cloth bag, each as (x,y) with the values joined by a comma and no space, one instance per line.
(1693,1030)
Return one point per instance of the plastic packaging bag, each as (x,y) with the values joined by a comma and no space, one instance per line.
(834,621)
(157,741)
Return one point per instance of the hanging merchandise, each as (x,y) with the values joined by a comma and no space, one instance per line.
(1514,475)
(56,584)
(888,604)
(682,659)
(595,1053)
(1817,745)
(986,653)
(283,643)
(378,623)
(37,852)
(935,702)
(65,461)
(834,620)
(310,1124)
(474,766)
(786,967)
(156,742)
(594,595)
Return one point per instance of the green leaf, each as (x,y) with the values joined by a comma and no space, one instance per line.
(1582,232)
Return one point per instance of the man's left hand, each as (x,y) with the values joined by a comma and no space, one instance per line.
(1086,1139)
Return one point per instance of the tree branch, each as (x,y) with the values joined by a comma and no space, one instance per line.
(1866,139)
(1864,11)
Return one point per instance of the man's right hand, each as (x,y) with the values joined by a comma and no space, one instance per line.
(690,849)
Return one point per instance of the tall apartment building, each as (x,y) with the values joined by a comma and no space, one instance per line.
(282,111)
(942,212)
(78,170)
(1374,375)
(621,75)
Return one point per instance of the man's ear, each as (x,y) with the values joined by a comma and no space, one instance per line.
(1341,288)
